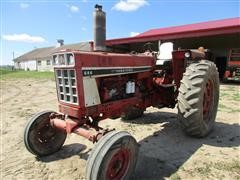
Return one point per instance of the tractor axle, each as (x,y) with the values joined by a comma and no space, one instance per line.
(69,126)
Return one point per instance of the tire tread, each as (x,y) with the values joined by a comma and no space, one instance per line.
(191,88)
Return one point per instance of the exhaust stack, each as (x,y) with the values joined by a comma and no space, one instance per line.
(99,31)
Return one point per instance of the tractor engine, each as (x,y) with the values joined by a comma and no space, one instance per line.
(116,88)
(88,83)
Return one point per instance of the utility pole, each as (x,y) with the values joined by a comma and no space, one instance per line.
(13,54)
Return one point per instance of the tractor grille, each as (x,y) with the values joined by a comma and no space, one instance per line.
(66,85)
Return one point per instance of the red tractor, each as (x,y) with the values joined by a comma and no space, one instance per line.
(93,86)
(233,65)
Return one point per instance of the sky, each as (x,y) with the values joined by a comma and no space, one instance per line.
(26,25)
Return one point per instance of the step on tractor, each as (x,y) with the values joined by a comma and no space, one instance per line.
(93,86)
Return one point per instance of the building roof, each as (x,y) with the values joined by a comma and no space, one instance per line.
(225,26)
(210,28)
(44,53)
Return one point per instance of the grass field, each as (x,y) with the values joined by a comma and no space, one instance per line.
(6,73)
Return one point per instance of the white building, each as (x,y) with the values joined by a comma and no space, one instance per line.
(40,59)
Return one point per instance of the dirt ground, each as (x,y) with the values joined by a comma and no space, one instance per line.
(165,151)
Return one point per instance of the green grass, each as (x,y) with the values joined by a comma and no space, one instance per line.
(204,171)
(18,74)
(224,108)
(236,96)
(233,166)
(232,95)
(210,170)
(223,93)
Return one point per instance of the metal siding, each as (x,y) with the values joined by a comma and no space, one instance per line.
(225,26)
(91,95)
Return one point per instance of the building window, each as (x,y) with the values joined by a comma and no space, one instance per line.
(48,62)
(39,63)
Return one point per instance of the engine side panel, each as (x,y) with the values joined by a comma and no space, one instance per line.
(90,90)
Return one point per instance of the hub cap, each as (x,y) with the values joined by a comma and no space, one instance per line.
(118,165)
(208,100)
(46,134)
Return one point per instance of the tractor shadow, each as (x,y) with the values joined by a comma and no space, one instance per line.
(65,152)
(232,83)
(162,153)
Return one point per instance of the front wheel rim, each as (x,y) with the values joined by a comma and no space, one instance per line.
(46,134)
(118,165)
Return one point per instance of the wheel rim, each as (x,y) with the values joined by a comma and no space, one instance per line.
(207,100)
(40,137)
(45,134)
(118,165)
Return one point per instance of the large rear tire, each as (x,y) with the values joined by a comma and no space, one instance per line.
(114,157)
(40,138)
(198,98)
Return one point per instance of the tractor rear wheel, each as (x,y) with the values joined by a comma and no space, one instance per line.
(40,138)
(198,98)
(114,157)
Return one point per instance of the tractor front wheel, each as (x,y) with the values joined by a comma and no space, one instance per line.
(198,98)
(114,157)
(40,138)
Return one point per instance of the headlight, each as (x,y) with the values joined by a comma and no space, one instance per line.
(70,59)
(187,55)
(61,59)
(55,60)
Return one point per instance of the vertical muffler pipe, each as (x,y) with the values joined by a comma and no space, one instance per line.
(99,31)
